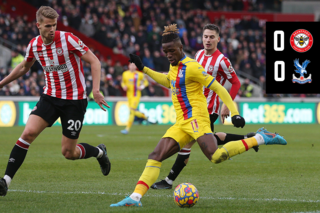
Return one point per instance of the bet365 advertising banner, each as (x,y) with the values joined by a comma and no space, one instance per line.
(280,113)
(17,113)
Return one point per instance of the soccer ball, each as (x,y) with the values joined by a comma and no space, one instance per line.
(185,195)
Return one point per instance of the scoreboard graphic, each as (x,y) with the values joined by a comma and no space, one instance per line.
(292,58)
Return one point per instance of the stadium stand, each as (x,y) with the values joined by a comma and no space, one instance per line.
(135,27)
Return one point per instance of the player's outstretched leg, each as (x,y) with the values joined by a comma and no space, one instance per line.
(262,137)
(104,161)
(3,187)
(127,202)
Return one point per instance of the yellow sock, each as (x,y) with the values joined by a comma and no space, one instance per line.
(131,119)
(140,115)
(148,177)
(233,148)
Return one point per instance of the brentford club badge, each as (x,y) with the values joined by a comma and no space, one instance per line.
(301,40)
(59,51)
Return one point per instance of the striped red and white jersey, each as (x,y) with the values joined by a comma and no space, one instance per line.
(61,64)
(221,68)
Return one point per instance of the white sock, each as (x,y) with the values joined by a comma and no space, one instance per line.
(100,153)
(8,180)
(136,196)
(169,181)
(259,139)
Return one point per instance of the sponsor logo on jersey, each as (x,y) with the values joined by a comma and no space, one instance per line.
(62,68)
(301,70)
(301,40)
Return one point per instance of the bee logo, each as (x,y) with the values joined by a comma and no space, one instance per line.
(301,40)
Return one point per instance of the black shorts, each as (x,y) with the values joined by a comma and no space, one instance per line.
(71,113)
(213,118)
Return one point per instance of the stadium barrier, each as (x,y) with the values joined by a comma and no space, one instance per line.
(14,111)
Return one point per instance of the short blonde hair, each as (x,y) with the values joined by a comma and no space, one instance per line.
(47,12)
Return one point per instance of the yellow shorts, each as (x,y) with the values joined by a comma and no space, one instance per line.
(191,129)
(133,102)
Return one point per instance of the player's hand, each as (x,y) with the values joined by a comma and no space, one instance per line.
(124,88)
(137,61)
(99,99)
(225,112)
(238,121)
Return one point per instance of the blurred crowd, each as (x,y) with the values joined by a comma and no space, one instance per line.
(135,26)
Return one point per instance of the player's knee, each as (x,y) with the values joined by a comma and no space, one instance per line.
(219,156)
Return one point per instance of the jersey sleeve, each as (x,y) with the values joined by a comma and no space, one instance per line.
(29,52)
(160,78)
(227,71)
(197,73)
(76,46)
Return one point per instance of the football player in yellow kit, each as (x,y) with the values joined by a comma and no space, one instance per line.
(133,82)
(186,78)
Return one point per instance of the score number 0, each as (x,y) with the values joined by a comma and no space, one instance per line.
(278,48)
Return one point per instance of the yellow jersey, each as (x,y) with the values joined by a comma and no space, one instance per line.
(186,83)
(133,81)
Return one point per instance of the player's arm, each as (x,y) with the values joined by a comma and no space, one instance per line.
(95,64)
(227,71)
(158,77)
(18,71)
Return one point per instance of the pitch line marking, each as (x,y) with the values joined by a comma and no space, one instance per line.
(206,198)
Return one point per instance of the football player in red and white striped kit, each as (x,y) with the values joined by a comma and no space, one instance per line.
(60,54)
(219,66)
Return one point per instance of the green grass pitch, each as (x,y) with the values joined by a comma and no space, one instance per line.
(276,179)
